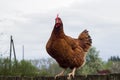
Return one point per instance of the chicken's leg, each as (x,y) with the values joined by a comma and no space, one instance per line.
(71,74)
(60,74)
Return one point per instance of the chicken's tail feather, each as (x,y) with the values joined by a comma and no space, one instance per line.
(85,40)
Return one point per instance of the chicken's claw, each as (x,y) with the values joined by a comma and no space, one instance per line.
(72,74)
(60,74)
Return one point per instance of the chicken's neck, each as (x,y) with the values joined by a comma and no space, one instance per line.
(58,32)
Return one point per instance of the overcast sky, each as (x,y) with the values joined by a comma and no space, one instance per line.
(31,23)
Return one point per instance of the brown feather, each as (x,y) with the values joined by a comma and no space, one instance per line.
(67,51)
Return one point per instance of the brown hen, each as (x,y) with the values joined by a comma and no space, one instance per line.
(67,51)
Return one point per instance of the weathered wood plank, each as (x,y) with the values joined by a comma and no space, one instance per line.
(115,76)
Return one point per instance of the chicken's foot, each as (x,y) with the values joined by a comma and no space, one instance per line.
(60,74)
(71,74)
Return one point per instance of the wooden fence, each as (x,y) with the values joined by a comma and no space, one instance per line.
(81,77)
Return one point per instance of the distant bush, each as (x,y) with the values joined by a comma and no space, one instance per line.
(19,68)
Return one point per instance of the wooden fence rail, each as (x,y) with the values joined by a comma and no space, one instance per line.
(80,77)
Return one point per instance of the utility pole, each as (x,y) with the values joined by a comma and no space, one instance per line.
(12,47)
(23,52)
(10,51)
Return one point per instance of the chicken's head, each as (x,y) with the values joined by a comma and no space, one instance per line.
(58,22)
